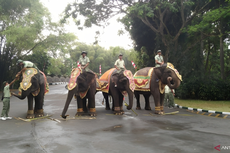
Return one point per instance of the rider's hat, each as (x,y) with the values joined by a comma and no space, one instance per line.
(19,61)
(83,52)
(4,83)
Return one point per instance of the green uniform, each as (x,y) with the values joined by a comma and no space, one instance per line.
(120,65)
(169,97)
(6,101)
(160,59)
(83,62)
(28,64)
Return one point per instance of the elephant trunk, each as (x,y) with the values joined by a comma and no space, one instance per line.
(68,100)
(176,83)
(23,96)
(130,93)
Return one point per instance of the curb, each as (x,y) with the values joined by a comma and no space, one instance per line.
(57,83)
(202,110)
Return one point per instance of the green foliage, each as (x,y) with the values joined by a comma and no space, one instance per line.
(40,59)
(57,67)
(27,33)
(210,20)
(206,89)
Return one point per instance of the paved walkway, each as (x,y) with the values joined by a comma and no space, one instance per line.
(146,133)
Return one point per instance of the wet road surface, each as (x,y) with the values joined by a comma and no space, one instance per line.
(146,133)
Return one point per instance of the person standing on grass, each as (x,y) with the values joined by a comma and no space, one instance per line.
(169,97)
(6,101)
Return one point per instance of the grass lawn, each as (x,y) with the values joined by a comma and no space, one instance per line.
(223,106)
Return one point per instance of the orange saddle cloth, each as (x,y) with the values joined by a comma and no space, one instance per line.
(104,81)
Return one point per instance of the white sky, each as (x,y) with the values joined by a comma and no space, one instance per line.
(108,36)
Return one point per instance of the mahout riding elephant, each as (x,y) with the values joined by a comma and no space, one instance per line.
(83,85)
(124,86)
(33,86)
(151,81)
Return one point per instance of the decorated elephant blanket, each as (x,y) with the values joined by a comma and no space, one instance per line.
(129,75)
(142,79)
(104,81)
(73,78)
(26,81)
(45,83)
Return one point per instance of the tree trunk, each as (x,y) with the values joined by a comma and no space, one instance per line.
(221,57)
(207,59)
(201,46)
(221,46)
(166,54)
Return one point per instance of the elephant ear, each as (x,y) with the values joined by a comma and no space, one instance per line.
(35,84)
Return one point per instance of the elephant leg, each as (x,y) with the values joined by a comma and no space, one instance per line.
(91,102)
(162,96)
(137,95)
(156,96)
(112,104)
(39,101)
(30,112)
(121,97)
(80,110)
(85,105)
(115,95)
(106,96)
(147,104)
(110,99)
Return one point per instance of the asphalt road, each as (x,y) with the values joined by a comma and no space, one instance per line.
(184,132)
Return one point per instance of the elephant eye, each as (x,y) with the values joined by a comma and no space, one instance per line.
(123,80)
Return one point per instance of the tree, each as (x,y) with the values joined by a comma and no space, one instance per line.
(14,23)
(215,23)
(40,59)
(23,37)
(158,15)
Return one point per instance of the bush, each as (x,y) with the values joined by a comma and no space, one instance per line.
(206,89)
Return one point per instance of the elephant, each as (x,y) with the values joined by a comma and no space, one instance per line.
(106,97)
(85,84)
(123,85)
(160,76)
(35,89)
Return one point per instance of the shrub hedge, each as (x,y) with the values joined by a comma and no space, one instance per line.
(206,89)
